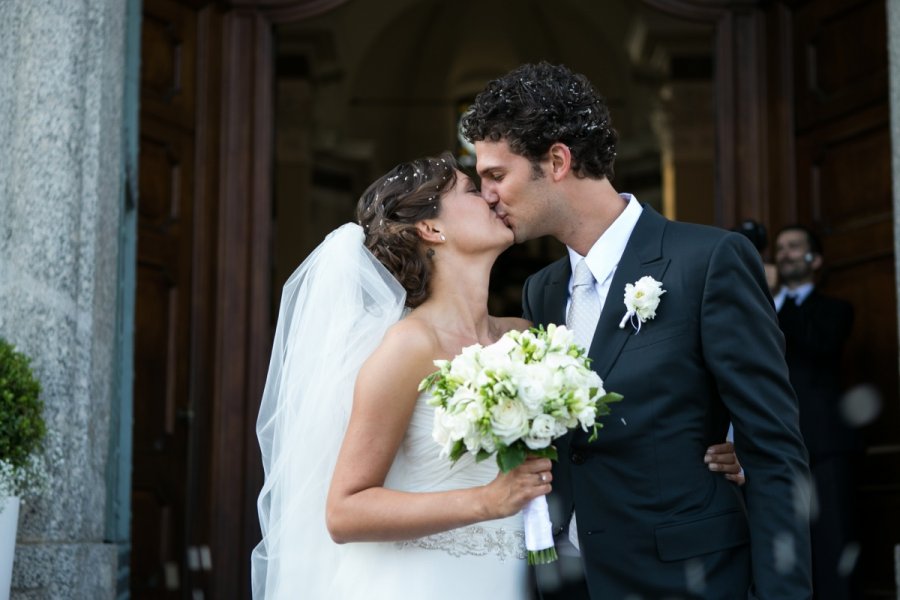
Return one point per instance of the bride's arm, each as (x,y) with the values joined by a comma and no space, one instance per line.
(359,507)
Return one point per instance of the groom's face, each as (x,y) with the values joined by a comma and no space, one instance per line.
(514,188)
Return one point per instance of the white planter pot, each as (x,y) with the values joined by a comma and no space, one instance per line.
(9,522)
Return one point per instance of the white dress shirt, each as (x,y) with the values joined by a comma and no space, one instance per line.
(800,294)
(605,254)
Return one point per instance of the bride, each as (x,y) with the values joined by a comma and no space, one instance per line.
(345,436)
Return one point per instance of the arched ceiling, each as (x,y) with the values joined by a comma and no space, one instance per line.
(392,72)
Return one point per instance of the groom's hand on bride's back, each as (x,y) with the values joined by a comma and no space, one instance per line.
(721,458)
(508,493)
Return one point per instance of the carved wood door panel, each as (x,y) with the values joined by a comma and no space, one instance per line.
(164,479)
(844,191)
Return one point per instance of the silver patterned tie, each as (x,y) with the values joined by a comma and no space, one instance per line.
(584,309)
(584,312)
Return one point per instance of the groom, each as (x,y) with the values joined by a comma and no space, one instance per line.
(648,519)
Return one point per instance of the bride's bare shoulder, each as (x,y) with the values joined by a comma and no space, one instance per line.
(405,354)
(505,324)
(412,337)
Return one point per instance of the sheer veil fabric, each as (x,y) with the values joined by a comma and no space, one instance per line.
(334,312)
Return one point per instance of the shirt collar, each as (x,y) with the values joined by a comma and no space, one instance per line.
(604,255)
(799,293)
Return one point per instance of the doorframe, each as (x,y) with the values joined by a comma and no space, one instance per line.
(119,465)
(753,163)
(243,330)
(749,171)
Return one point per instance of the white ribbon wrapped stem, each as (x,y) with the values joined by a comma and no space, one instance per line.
(538,531)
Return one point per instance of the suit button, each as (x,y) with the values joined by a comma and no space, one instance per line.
(577,458)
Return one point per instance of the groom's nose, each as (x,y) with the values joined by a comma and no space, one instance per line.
(489,195)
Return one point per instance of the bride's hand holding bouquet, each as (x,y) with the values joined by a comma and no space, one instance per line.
(511,399)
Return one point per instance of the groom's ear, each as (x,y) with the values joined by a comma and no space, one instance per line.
(560,161)
(428,231)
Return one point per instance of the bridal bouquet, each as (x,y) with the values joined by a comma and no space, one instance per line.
(512,399)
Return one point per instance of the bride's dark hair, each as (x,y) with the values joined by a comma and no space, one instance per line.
(389,210)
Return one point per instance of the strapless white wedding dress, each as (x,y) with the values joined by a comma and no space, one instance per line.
(485,561)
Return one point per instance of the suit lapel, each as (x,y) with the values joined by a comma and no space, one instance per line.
(642,256)
(556,293)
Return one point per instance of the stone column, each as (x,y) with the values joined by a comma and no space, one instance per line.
(61,188)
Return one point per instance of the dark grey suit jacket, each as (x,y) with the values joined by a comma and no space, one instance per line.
(815,335)
(652,520)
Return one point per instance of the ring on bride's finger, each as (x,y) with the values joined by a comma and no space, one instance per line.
(543,478)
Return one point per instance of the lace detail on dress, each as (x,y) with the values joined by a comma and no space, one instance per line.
(475,540)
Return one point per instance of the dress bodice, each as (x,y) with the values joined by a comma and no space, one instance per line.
(418,467)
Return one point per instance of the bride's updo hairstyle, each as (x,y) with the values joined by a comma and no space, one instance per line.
(389,210)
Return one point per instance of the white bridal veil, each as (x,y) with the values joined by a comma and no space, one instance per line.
(335,309)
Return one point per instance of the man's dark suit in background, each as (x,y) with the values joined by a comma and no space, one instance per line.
(816,329)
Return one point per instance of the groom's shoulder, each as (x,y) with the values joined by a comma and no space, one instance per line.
(698,237)
(696,232)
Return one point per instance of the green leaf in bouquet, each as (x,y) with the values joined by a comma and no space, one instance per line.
(459,448)
(611,397)
(482,455)
(510,457)
(596,428)
(548,452)
(429,381)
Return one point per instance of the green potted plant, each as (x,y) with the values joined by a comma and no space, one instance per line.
(22,433)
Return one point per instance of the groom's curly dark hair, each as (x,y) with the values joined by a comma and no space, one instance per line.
(537,105)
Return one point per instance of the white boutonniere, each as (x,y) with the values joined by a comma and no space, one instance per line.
(641,301)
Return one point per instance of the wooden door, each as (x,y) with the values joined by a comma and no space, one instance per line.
(843,171)
(171,556)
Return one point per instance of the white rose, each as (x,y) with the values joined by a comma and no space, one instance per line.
(541,434)
(593,380)
(465,366)
(456,425)
(509,421)
(560,430)
(448,428)
(504,345)
(587,416)
(532,382)
(487,443)
(473,440)
(474,411)
(554,361)
(495,359)
(440,432)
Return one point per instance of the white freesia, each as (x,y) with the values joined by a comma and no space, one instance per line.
(465,366)
(560,337)
(513,398)
(543,430)
(641,301)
